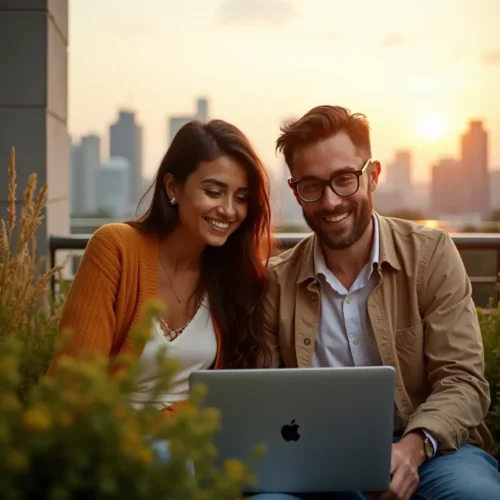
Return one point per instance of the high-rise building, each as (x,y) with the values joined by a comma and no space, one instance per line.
(399,174)
(474,158)
(85,160)
(287,212)
(175,123)
(202,109)
(125,137)
(91,150)
(448,189)
(77,179)
(495,189)
(113,182)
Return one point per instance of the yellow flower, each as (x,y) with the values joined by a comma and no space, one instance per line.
(145,455)
(16,461)
(235,470)
(37,418)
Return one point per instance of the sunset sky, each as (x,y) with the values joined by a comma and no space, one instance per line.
(419,70)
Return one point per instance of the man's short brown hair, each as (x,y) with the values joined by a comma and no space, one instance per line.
(322,122)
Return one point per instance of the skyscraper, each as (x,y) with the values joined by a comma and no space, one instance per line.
(399,174)
(202,109)
(125,137)
(175,123)
(77,180)
(474,158)
(113,179)
(447,189)
(495,189)
(287,213)
(85,160)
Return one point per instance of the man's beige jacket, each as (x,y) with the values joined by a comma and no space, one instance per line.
(424,321)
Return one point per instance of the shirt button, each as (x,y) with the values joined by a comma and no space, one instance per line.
(314,297)
(355,341)
(348,300)
(307,341)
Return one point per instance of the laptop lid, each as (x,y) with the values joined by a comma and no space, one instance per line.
(326,429)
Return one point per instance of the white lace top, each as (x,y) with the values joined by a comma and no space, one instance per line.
(195,349)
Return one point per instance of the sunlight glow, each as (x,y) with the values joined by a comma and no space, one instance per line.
(432,126)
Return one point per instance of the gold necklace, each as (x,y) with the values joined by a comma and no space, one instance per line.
(179,300)
(170,334)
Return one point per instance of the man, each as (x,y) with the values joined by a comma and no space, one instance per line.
(369,290)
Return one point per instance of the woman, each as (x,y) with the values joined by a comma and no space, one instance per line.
(201,247)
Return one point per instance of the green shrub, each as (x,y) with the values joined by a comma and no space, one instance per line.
(77,437)
(27,310)
(489,321)
(74,435)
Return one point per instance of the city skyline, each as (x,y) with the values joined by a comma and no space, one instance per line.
(408,67)
(175,121)
(461,184)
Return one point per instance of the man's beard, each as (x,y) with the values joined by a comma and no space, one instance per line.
(340,239)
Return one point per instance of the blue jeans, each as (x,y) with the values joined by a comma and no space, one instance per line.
(468,474)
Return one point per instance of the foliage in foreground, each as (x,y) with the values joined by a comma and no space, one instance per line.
(77,436)
(27,310)
(74,435)
(489,320)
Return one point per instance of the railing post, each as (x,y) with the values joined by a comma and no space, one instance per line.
(52,257)
(498,274)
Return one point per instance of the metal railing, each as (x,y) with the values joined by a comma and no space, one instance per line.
(465,242)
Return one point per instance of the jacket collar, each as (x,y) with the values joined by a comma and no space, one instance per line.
(387,251)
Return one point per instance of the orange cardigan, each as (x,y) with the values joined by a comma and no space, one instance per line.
(118,274)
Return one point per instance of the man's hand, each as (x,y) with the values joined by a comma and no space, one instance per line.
(407,456)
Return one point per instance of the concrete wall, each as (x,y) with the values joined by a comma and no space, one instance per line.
(34,104)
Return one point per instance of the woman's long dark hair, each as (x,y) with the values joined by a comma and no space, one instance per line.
(234,274)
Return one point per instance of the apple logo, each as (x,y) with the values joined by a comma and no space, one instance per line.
(290,432)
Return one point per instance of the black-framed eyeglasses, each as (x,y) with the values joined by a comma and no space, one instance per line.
(344,183)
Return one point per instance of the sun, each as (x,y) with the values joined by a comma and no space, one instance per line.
(432,126)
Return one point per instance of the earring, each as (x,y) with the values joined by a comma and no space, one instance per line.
(173,201)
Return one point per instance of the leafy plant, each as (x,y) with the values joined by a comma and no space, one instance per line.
(27,309)
(489,321)
(77,436)
(74,434)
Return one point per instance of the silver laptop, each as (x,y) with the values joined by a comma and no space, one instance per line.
(326,429)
